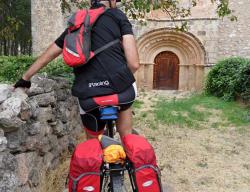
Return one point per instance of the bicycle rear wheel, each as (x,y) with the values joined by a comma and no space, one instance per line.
(117,184)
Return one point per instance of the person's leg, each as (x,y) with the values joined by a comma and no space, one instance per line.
(92,124)
(124,122)
(89,135)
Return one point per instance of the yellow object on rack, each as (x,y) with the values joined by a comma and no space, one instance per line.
(112,151)
(114,154)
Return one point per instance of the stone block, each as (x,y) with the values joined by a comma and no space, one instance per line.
(25,164)
(34,108)
(41,84)
(12,106)
(61,112)
(63,144)
(1,133)
(61,83)
(8,162)
(60,129)
(44,146)
(36,143)
(5,91)
(45,99)
(24,188)
(72,144)
(14,141)
(53,142)
(35,129)
(3,143)
(35,90)
(45,114)
(19,93)
(8,181)
(62,94)
(34,177)
(47,160)
(9,124)
(25,113)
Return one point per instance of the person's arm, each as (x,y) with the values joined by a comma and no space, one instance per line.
(51,53)
(131,53)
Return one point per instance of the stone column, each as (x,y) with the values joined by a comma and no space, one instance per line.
(145,76)
(184,77)
(191,77)
(200,77)
(149,76)
(139,76)
(46,24)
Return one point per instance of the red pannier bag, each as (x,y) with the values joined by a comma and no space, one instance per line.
(85,167)
(142,156)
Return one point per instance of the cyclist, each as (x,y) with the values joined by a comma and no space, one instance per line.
(109,73)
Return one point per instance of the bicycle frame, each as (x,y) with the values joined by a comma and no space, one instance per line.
(109,114)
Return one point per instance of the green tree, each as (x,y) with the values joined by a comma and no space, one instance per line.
(137,9)
(15,27)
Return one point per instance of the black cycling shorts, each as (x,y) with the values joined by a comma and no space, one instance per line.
(90,108)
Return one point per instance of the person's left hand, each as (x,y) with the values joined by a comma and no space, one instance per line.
(21,83)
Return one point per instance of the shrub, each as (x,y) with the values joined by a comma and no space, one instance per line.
(229,79)
(12,68)
(244,85)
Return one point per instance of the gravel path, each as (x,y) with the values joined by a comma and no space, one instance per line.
(207,160)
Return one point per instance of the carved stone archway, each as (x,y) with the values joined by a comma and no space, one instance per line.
(186,46)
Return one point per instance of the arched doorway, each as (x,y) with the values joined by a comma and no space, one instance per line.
(186,47)
(166,71)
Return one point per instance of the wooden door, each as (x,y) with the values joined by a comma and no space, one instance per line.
(166,71)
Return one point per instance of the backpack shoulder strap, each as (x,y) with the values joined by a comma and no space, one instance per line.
(77,19)
(101,49)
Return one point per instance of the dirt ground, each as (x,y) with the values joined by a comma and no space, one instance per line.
(191,160)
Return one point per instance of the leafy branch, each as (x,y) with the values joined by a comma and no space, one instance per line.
(137,9)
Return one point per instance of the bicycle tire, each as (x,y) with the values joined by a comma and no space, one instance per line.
(117,184)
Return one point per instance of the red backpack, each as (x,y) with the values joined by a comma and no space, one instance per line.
(77,43)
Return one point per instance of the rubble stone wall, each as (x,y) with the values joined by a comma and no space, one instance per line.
(35,130)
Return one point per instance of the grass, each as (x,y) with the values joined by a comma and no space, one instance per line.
(138,104)
(202,111)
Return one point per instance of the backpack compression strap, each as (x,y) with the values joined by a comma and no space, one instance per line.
(106,46)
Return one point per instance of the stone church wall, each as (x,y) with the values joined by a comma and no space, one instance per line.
(206,30)
(47,23)
(217,38)
(220,38)
(234,37)
(35,131)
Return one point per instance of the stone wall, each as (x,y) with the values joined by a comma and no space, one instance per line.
(234,37)
(47,24)
(221,38)
(217,38)
(35,130)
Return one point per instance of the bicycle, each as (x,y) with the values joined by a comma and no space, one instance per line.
(112,177)
(94,171)
(113,174)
